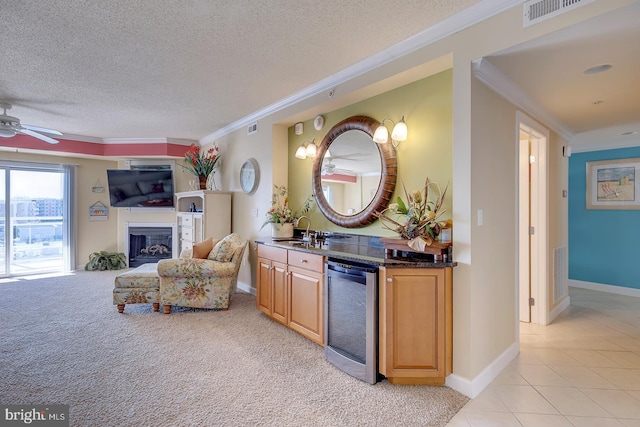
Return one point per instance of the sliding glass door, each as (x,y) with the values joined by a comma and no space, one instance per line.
(35,229)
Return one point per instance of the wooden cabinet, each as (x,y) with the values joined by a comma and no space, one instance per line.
(290,289)
(415,325)
(271,291)
(202,214)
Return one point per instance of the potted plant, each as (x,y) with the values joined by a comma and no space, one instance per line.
(418,220)
(281,217)
(104,260)
(202,164)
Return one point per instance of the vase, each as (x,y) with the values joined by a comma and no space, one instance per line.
(282,231)
(211,181)
(203,182)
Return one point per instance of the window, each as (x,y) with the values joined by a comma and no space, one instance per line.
(36,218)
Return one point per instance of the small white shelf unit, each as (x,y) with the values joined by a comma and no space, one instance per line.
(202,214)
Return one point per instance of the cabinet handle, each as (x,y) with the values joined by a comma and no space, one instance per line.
(303,260)
(389,279)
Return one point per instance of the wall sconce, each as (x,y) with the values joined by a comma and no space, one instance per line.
(398,134)
(302,152)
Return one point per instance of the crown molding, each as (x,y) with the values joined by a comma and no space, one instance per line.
(81,138)
(505,87)
(468,17)
(142,141)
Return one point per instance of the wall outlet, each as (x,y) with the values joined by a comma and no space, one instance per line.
(254,213)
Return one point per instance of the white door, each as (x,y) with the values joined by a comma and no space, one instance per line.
(532,221)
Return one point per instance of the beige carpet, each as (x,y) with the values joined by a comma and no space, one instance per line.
(63,342)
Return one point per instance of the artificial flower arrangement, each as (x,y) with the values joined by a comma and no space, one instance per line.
(281,212)
(418,219)
(200,163)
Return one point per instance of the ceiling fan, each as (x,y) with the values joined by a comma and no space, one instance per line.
(328,168)
(10,126)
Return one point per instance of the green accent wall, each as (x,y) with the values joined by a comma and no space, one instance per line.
(427,108)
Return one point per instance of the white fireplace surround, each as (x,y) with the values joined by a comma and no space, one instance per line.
(174,235)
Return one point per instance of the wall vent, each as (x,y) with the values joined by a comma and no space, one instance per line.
(252,128)
(560,279)
(538,10)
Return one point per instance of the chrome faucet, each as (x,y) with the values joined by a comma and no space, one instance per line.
(305,237)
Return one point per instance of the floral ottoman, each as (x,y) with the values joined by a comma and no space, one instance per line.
(138,286)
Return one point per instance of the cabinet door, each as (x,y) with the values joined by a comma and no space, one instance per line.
(263,287)
(198,229)
(280,310)
(306,296)
(413,325)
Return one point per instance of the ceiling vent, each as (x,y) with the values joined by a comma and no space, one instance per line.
(252,128)
(538,10)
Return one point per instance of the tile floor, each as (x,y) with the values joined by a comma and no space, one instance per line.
(582,370)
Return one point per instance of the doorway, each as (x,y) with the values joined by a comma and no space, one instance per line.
(532,220)
(35,219)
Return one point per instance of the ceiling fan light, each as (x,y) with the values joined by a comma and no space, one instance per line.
(301,153)
(7,133)
(399,132)
(381,135)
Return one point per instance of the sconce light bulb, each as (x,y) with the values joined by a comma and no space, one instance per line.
(381,135)
(301,153)
(399,131)
(311,149)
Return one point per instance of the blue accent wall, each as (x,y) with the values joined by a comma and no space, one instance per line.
(604,245)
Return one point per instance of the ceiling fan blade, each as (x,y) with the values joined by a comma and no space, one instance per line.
(39,136)
(45,130)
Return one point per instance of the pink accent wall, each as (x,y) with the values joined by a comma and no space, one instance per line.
(340,177)
(164,149)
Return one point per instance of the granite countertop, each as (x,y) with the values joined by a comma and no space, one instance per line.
(353,247)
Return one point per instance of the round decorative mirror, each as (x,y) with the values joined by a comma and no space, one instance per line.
(353,177)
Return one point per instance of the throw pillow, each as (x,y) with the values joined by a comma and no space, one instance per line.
(224,250)
(201,250)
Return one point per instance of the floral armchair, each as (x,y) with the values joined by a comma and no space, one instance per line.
(202,283)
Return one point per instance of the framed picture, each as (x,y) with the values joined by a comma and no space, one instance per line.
(98,212)
(611,184)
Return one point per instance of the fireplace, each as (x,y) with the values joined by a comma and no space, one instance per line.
(149,242)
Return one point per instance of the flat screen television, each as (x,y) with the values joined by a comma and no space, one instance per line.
(133,188)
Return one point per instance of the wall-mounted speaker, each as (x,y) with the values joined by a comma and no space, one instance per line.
(566,151)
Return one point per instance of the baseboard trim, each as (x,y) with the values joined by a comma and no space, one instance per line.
(246,288)
(620,290)
(473,388)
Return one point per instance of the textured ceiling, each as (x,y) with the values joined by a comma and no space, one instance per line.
(185,68)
